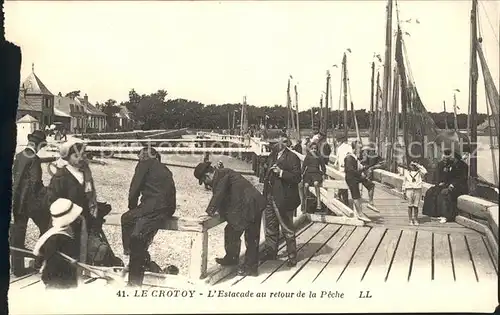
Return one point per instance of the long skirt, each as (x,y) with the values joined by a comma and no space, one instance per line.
(440,202)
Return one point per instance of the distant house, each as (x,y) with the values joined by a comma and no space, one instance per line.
(96,119)
(72,108)
(37,99)
(124,119)
(25,125)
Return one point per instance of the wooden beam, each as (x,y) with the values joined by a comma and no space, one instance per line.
(176,224)
(342,220)
(334,184)
(199,253)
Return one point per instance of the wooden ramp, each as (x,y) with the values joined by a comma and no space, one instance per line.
(388,250)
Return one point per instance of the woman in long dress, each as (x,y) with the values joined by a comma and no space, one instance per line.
(451,175)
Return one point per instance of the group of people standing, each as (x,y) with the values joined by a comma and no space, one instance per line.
(70,218)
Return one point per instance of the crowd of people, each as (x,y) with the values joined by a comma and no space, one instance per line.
(70,218)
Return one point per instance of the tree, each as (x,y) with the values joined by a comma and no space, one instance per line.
(73,94)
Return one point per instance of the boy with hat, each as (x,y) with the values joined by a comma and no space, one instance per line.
(241,205)
(57,272)
(28,194)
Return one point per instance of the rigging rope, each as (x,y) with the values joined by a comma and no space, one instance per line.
(489,22)
(495,173)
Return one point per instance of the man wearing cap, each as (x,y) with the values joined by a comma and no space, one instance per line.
(28,194)
(342,151)
(241,205)
(282,193)
(154,182)
(452,174)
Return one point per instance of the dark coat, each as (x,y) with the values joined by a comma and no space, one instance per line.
(59,273)
(27,187)
(236,199)
(455,173)
(313,168)
(154,182)
(352,173)
(285,190)
(64,185)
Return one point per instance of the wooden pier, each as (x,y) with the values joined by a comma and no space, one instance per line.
(385,251)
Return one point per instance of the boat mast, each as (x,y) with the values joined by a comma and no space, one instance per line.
(372,131)
(455,121)
(473,90)
(445,116)
(344,82)
(320,112)
(387,80)
(297,111)
(324,126)
(377,111)
(288,106)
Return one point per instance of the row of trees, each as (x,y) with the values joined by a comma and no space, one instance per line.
(155,111)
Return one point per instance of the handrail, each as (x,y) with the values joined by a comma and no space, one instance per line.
(199,241)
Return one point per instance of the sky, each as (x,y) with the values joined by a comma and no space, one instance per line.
(216,52)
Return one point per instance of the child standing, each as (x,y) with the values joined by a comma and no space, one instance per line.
(57,272)
(313,171)
(412,189)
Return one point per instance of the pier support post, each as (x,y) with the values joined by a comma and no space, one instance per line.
(199,251)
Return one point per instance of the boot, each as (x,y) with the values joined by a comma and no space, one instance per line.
(227,261)
(247,271)
(291,248)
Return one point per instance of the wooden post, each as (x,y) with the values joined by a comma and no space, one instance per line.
(297,112)
(327,99)
(473,72)
(344,71)
(387,81)
(372,104)
(199,251)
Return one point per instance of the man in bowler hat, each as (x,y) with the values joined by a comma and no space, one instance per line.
(28,194)
(241,205)
(282,194)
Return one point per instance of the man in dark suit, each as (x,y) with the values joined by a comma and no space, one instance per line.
(282,194)
(155,183)
(27,197)
(241,205)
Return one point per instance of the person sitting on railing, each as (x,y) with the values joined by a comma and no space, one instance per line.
(241,205)
(412,189)
(353,177)
(313,171)
(140,224)
(57,272)
(452,177)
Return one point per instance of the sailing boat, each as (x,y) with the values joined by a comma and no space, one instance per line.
(418,126)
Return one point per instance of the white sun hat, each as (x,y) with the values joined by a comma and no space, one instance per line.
(64,212)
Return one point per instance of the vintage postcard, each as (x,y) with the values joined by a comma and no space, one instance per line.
(254,156)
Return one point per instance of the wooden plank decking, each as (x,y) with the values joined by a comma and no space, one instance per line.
(387,250)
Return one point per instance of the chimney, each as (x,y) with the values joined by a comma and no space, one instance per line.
(86,98)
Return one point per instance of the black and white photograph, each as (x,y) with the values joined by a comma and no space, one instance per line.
(252,156)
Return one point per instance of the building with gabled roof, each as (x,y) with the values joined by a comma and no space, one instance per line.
(96,119)
(38,98)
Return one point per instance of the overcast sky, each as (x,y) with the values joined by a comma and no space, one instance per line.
(216,52)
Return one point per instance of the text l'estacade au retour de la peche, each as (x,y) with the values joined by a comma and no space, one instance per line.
(178,293)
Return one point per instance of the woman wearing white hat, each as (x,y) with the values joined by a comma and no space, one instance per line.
(58,273)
